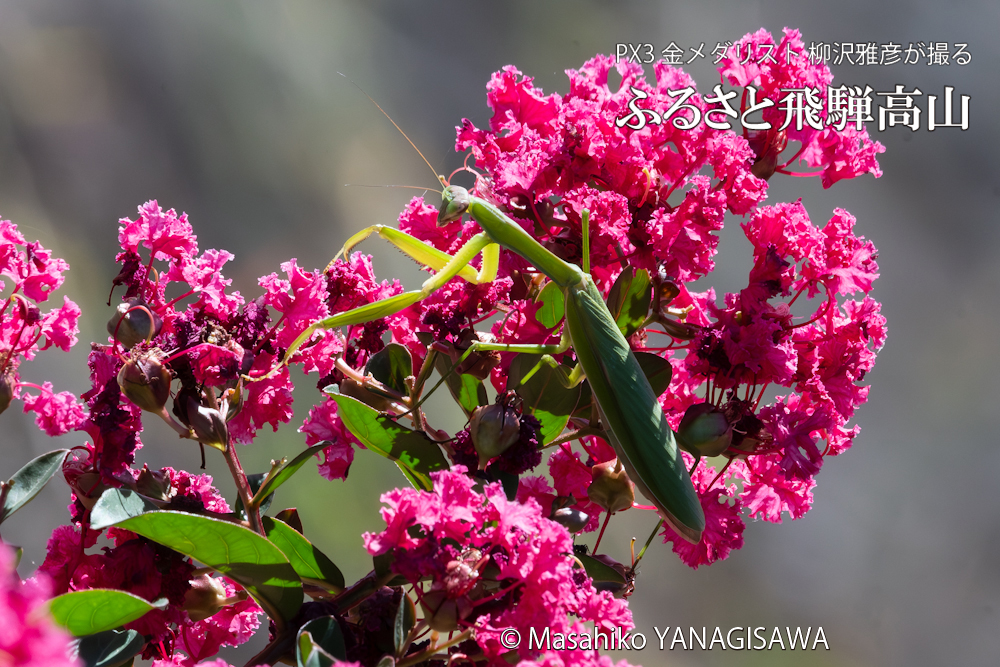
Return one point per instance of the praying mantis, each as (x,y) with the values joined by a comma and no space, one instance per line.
(630,413)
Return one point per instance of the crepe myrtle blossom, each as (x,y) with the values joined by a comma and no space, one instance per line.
(28,635)
(29,274)
(202,613)
(764,382)
(482,563)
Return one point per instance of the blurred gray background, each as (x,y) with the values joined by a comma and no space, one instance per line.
(234,113)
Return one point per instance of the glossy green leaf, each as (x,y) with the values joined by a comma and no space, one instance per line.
(391,366)
(309,562)
(112,648)
(656,369)
(543,394)
(98,609)
(629,298)
(472,393)
(235,551)
(415,453)
(552,305)
(406,617)
(286,471)
(29,480)
(319,642)
(116,505)
(600,572)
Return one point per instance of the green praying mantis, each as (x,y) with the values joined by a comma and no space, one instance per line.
(630,413)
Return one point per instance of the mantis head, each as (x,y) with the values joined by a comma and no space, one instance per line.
(455,202)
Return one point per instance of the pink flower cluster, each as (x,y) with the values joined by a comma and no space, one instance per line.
(27,634)
(30,273)
(151,571)
(655,198)
(481,562)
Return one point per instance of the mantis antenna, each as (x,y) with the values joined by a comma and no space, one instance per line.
(408,140)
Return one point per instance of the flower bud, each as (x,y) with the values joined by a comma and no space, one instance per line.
(145,382)
(443,613)
(704,431)
(7,385)
(206,596)
(610,487)
(153,484)
(573,519)
(207,425)
(619,590)
(133,322)
(494,428)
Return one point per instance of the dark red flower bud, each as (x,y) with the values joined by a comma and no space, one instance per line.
(610,486)
(145,382)
(134,322)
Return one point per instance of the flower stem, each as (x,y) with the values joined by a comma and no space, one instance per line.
(243,489)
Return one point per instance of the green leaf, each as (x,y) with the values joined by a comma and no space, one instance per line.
(472,393)
(29,480)
(235,551)
(552,305)
(391,366)
(319,642)
(415,453)
(600,572)
(386,661)
(286,471)
(628,300)
(543,394)
(309,562)
(255,481)
(116,505)
(656,369)
(406,616)
(98,609)
(112,648)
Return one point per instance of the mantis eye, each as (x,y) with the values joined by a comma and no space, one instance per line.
(455,202)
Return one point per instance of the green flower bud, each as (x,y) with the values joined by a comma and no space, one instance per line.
(207,424)
(610,487)
(704,431)
(145,382)
(443,613)
(133,322)
(7,385)
(153,484)
(206,596)
(494,428)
